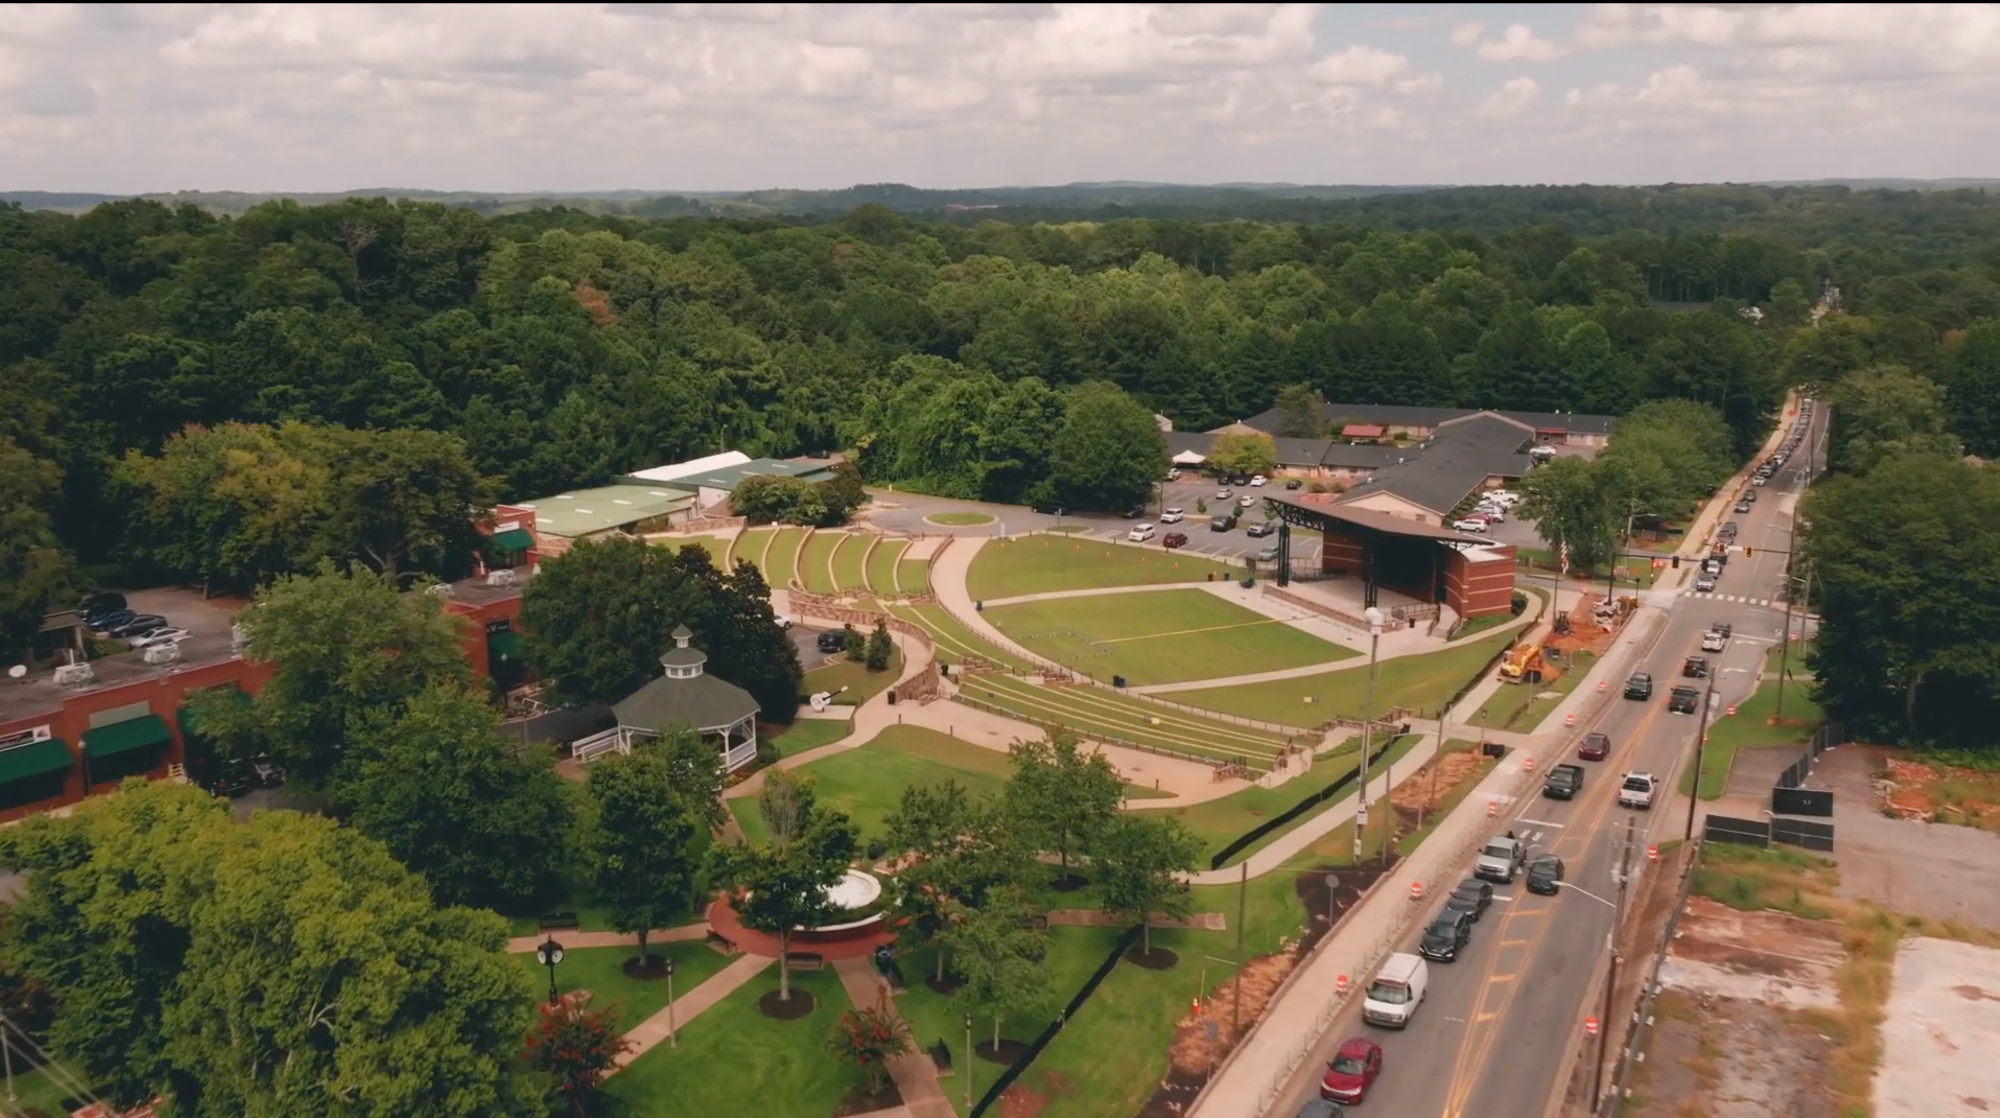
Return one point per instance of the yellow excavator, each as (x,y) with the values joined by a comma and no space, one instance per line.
(1526,663)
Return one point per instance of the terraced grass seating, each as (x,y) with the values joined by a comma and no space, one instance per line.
(816,561)
(1165,636)
(1105,715)
(1042,563)
(883,562)
(849,561)
(783,563)
(913,576)
(753,545)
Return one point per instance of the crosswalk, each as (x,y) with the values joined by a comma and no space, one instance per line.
(1744,599)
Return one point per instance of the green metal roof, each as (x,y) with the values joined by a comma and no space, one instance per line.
(38,758)
(704,702)
(582,512)
(514,539)
(124,737)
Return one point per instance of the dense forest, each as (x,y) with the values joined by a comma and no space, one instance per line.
(563,346)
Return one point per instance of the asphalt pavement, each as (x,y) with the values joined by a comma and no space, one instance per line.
(1496,1032)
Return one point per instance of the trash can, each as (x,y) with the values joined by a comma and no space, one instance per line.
(979,606)
(892,698)
(1118,681)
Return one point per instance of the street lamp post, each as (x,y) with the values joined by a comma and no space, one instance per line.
(1374,617)
(969,1062)
(672,1040)
(551,953)
(1617,907)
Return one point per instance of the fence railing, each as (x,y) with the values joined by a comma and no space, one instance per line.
(1642,1011)
(1284,818)
(1257,764)
(1049,1032)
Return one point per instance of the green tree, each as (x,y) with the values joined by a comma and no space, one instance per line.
(1000,957)
(1140,863)
(879,649)
(957,850)
(396,495)
(1109,452)
(1973,388)
(1884,412)
(783,886)
(1243,454)
(1060,796)
(343,645)
(647,839)
(1299,413)
(1570,507)
(576,1047)
(34,567)
(435,782)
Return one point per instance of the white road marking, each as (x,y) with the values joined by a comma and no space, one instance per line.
(1540,823)
(1503,896)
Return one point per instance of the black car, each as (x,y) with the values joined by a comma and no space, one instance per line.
(1321,1108)
(1133,512)
(139,626)
(1696,667)
(1742,506)
(1544,875)
(1295,483)
(1447,935)
(96,606)
(1471,897)
(1725,628)
(1221,523)
(234,780)
(1640,686)
(1750,496)
(1260,529)
(833,640)
(1729,528)
(107,622)
(1683,700)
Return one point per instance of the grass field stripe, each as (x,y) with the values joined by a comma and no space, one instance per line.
(1191,632)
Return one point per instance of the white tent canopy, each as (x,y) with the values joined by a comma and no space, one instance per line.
(1190,458)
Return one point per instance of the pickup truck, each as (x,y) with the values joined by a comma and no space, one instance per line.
(1500,859)
(1563,782)
(1637,791)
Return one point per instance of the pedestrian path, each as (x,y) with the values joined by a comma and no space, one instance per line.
(650,1033)
(915,1076)
(573,940)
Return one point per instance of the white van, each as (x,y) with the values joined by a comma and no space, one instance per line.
(1140,533)
(1392,999)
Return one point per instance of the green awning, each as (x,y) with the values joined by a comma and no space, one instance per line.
(513,539)
(504,646)
(37,758)
(124,737)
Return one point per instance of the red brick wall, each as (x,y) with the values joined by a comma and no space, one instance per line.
(1480,589)
(473,638)
(1346,552)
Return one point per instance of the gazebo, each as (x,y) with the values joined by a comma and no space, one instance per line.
(724,713)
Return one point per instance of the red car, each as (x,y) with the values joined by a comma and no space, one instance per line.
(1352,1071)
(1174,539)
(1595,747)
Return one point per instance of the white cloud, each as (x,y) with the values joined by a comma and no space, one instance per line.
(1362,66)
(1520,44)
(1511,99)
(1466,34)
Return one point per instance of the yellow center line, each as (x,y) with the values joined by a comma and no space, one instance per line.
(1478,1043)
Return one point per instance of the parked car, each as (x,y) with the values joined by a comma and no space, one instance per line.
(1246,501)
(1261,529)
(1469,524)
(267,772)
(233,780)
(94,606)
(1351,1071)
(1295,483)
(1683,700)
(1257,481)
(1639,686)
(1545,875)
(172,634)
(1133,512)
(1174,539)
(1446,937)
(1140,533)
(1471,897)
(109,621)
(1225,493)
(1695,667)
(1172,516)
(1221,522)
(833,640)
(139,626)
(1268,555)
(1595,747)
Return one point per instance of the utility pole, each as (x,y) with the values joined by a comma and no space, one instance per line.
(1700,748)
(1611,975)
(1242,907)
(1374,617)
(1791,551)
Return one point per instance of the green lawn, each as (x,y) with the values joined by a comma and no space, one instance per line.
(810,733)
(1422,682)
(914,576)
(35,1091)
(882,563)
(954,642)
(862,684)
(716,546)
(816,561)
(1100,712)
(754,545)
(1752,727)
(868,782)
(848,572)
(783,558)
(1160,636)
(600,971)
(1220,822)
(733,1060)
(1522,706)
(960,519)
(1040,564)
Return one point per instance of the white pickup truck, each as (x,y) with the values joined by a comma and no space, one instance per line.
(1500,859)
(1637,791)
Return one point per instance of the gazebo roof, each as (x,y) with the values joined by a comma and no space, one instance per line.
(686,695)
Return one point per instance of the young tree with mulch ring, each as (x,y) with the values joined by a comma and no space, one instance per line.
(1000,954)
(784,885)
(1139,863)
(1060,796)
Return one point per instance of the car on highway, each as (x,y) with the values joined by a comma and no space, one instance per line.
(1749,496)
(1545,875)
(1172,516)
(1730,528)
(1595,747)
(1174,539)
(1727,629)
(1351,1071)
(1500,859)
(1683,700)
(1321,1108)
(1392,999)
(1704,583)
(1759,480)
(1446,937)
(1713,641)
(1261,528)
(1637,791)
(1563,782)
(1639,686)
(1471,897)
(1469,524)
(1695,667)
(1743,505)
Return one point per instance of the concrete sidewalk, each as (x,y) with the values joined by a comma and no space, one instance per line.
(573,940)
(648,1034)
(915,1076)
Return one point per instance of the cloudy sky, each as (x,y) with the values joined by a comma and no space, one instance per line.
(121,98)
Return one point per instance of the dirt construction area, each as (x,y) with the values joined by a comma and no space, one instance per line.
(1939,1031)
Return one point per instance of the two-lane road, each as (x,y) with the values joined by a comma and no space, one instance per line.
(1493,1035)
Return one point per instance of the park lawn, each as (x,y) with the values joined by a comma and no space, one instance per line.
(954,641)
(600,971)
(809,733)
(1751,727)
(961,519)
(1220,822)
(716,546)
(1637,572)
(881,568)
(733,1060)
(913,576)
(1102,713)
(816,561)
(867,783)
(1160,636)
(36,1092)
(783,558)
(1522,706)
(862,684)
(1422,683)
(754,544)
(849,554)
(1041,564)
